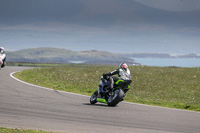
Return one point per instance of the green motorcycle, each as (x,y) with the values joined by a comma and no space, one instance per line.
(110,96)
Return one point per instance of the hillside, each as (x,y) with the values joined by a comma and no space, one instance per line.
(54,55)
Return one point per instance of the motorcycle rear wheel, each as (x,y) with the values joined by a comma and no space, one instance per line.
(114,99)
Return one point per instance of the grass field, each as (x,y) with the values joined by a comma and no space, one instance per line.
(161,86)
(8,130)
(35,64)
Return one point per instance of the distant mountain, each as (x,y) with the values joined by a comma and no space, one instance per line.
(159,55)
(54,55)
(192,55)
(148,55)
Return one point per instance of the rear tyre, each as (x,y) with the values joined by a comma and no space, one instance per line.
(114,99)
(93,98)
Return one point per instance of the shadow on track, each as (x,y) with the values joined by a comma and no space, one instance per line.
(98,105)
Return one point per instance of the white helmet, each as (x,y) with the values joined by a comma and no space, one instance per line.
(2,50)
(123,66)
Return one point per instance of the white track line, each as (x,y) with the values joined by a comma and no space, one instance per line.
(11,75)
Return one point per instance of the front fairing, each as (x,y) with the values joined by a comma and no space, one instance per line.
(103,83)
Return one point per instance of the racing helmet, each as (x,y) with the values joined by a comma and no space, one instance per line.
(123,66)
(2,50)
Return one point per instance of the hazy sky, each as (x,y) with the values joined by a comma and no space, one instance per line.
(173,5)
(162,26)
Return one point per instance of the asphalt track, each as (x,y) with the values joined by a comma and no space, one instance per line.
(29,107)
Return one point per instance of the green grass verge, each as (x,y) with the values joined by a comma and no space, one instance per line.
(161,86)
(35,64)
(8,130)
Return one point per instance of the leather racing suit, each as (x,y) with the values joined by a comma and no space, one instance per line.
(123,74)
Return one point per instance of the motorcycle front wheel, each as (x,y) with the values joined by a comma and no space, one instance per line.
(93,98)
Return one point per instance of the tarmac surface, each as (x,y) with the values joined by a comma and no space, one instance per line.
(30,107)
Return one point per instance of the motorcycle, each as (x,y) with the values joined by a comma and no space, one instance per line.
(110,96)
(2,58)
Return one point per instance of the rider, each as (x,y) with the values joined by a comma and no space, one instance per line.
(2,52)
(123,73)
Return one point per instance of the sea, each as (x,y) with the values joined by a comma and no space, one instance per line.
(167,62)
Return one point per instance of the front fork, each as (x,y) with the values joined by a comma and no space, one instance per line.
(100,90)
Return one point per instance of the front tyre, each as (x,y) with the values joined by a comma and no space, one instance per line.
(93,98)
(117,96)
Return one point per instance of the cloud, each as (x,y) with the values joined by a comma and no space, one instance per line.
(113,25)
(29,11)
(173,5)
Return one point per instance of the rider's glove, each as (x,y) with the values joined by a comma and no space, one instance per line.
(105,76)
